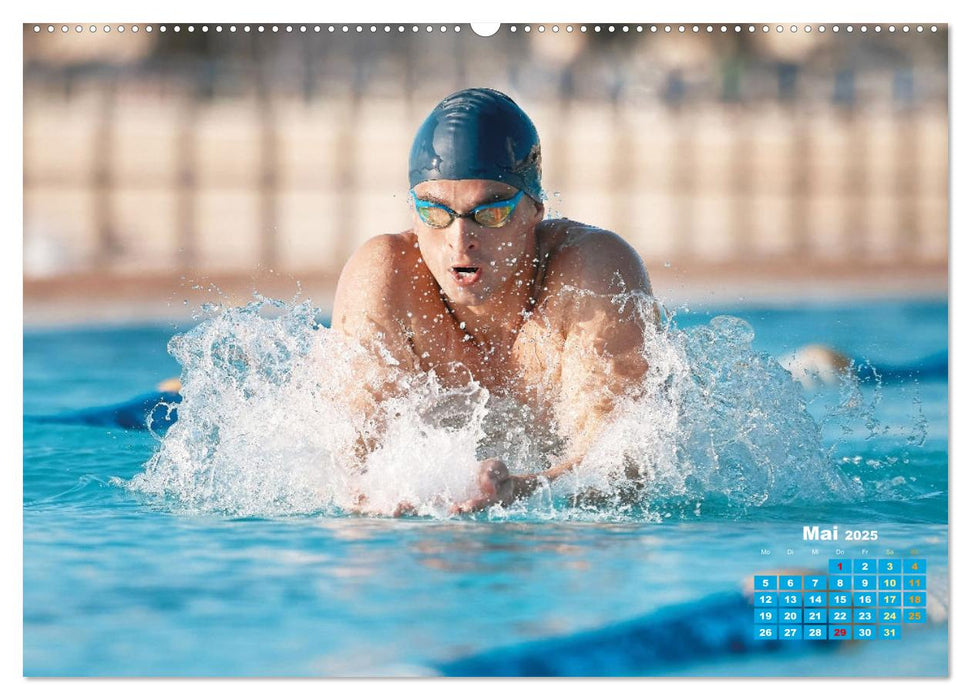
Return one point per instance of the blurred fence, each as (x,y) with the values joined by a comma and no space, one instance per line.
(170,157)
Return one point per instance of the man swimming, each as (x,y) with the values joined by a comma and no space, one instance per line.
(483,288)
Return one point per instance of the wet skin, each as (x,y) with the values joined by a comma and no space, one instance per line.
(525,309)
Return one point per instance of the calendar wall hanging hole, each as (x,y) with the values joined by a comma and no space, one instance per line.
(485,28)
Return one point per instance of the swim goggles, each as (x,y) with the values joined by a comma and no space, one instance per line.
(491,215)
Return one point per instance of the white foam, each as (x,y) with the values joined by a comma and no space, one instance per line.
(267,427)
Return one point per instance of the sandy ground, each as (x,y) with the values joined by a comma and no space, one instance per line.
(123,299)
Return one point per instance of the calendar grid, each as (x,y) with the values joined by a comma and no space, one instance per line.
(860,599)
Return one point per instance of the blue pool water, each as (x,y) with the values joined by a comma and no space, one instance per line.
(121,582)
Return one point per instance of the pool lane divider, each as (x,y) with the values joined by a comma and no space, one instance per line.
(157,409)
(714,628)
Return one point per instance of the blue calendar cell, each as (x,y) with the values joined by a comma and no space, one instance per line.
(814,616)
(864,600)
(766,631)
(888,632)
(890,617)
(840,566)
(840,616)
(766,583)
(839,632)
(864,566)
(818,632)
(790,632)
(915,566)
(864,632)
(864,616)
(890,583)
(816,600)
(915,615)
(915,600)
(840,583)
(790,583)
(865,583)
(790,600)
(890,566)
(766,616)
(815,583)
(890,600)
(912,583)
(840,600)
(766,600)
(790,616)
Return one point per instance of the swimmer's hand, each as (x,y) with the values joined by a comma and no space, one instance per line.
(404,508)
(498,487)
(361,507)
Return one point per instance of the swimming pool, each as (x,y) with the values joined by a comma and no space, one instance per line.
(119,584)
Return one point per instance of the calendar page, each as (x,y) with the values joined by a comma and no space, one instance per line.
(590,349)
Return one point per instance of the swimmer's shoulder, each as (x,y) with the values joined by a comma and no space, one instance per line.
(382,261)
(385,251)
(589,258)
(373,279)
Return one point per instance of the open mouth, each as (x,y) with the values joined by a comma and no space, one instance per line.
(464,276)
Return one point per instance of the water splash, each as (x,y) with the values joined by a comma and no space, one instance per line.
(268,427)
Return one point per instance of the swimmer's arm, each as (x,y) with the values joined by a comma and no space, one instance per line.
(602,357)
(368,313)
(604,331)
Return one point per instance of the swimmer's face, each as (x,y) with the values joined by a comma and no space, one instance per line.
(471,262)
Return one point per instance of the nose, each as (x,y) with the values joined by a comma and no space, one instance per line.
(461,235)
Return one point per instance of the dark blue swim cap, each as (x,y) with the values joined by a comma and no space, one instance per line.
(478,134)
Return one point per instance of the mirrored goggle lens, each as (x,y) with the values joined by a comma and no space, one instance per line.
(434,216)
(493,217)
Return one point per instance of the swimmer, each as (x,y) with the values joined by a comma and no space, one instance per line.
(482,287)
(816,364)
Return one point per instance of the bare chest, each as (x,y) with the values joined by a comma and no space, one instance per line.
(525,369)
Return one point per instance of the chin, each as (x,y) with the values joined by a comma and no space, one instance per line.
(469,297)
